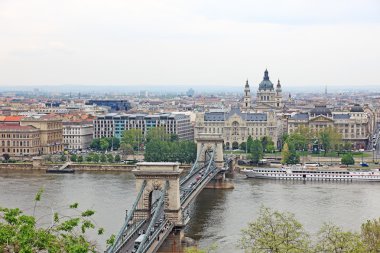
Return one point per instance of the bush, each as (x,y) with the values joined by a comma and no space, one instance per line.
(74,158)
(347,159)
(117,158)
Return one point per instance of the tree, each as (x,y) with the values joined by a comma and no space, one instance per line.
(95,158)
(266,142)
(370,234)
(157,133)
(110,158)
(89,158)
(127,148)
(298,141)
(333,239)
(113,142)
(95,144)
(63,158)
(285,154)
(6,157)
(275,232)
(256,151)
(243,146)
(174,137)
(289,154)
(103,158)
(117,158)
(80,159)
(20,232)
(104,144)
(249,143)
(73,158)
(347,159)
(132,138)
(329,138)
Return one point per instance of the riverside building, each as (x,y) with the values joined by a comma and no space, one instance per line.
(115,124)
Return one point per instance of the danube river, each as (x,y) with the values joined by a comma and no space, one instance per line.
(218,215)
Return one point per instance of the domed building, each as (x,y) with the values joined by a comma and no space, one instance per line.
(269,97)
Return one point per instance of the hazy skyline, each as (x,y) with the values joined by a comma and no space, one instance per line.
(192,43)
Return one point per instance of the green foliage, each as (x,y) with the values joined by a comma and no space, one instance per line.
(157,134)
(110,158)
(127,148)
(95,158)
(74,158)
(275,232)
(89,158)
(166,151)
(243,146)
(117,158)
(132,138)
(103,158)
(289,154)
(329,138)
(347,159)
(333,239)
(104,144)
(63,158)
(249,143)
(370,234)
(298,141)
(20,232)
(6,157)
(80,159)
(267,143)
(95,144)
(278,232)
(256,151)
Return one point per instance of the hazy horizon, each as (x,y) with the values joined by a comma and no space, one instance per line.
(189,43)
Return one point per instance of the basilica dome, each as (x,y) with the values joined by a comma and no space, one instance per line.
(266,84)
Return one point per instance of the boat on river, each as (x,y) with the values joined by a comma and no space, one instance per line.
(301,173)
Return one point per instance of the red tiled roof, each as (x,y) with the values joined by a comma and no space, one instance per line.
(15,127)
(13,118)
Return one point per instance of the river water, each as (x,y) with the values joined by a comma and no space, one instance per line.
(218,215)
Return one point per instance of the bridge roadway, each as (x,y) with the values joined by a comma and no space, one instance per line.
(190,187)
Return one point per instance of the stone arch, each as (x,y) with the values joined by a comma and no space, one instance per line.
(156,176)
(235,145)
(227,146)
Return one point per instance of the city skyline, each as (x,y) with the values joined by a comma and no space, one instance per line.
(182,44)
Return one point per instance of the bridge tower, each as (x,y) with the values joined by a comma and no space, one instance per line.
(205,142)
(156,174)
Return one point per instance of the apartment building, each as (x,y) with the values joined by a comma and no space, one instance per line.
(114,124)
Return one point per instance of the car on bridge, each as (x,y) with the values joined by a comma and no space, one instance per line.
(138,241)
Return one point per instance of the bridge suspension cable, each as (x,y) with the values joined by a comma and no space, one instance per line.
(130,214)
(195,166)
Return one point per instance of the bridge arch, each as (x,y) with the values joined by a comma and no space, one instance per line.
(156,175)
(206,141)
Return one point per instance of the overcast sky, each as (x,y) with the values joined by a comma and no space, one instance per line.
(193,42)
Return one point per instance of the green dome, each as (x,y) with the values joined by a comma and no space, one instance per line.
(266,84)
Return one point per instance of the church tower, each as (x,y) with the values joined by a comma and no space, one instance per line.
(278,96)
(247,97)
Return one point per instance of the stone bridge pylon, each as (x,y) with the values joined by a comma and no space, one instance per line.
(207,142)
(156,175)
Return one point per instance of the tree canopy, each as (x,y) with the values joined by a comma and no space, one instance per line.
(256,151)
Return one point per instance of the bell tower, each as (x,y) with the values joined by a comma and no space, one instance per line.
(247,97)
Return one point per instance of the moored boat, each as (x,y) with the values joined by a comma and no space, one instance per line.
(300,173)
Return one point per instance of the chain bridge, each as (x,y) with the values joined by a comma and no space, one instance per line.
(164,196)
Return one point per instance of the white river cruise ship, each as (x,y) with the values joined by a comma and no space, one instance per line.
(300,173)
